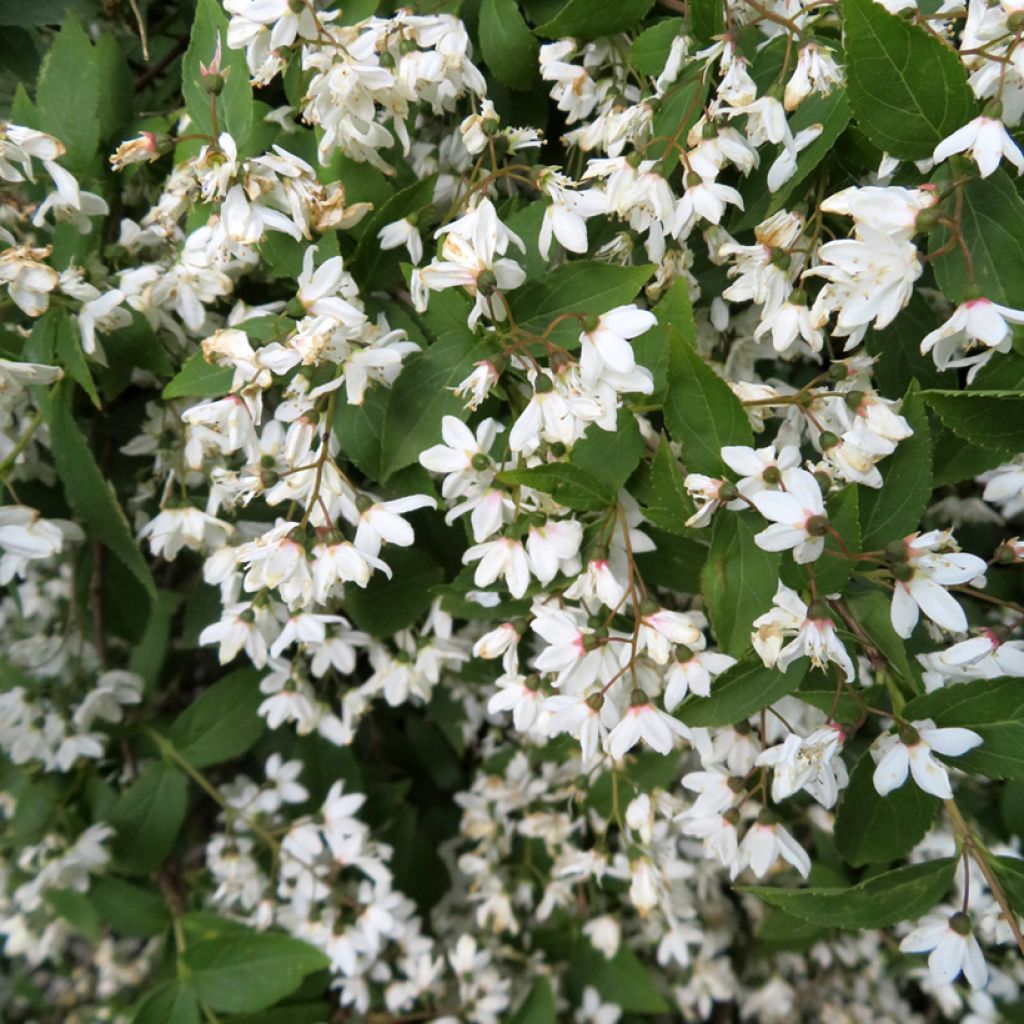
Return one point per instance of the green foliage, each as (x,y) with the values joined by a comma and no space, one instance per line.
(907,90)
(509,47)
(147,817)
(740,691)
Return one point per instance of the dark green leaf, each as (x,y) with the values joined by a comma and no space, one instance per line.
(129,908)
(873,829)
(422,396)
(78,911)
(990,418)
(589,19)
(91,497)
(895,510)
(651,48)
(740,691)
(1010,872)
(739,580)
(882,900)
(147,817)
(386,606)
(569,485)
(662,494)
(222,724)
(677,562)
(249,972)
(870,609)
(610,456)
(69,352)
(994,709)
(622,980)
(701,411)
(370,259)
(359,429)
(907,89)
(171,1003)
(508,46)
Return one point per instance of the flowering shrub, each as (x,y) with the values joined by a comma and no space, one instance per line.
(510,511)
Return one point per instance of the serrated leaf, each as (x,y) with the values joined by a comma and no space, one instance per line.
(870,608)
(1010,872)
(147,817)
(740,691)
(199,379)
(589,19)
(873,829)
(509,47)
(222,723)
(895,509)
(651,48)
(662,494)
(878,902)
(907,89)
(991,213)
(990,418)
(610,456)
(739,580)
(701,411)
(67,95)
(92,498)
(248,972)
(994,709)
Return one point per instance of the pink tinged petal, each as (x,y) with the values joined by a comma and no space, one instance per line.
(937,604)
(904,612)
(891,770)
(985,323)
(929,775)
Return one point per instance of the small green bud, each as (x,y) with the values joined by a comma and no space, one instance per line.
(828,440)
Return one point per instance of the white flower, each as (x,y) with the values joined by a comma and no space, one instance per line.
(382,522)
(463,456)
(691,672)
(952,947)
(402,232)
(812,763)
(816,636)
(974,322)
(501,557)
(174,528)
(798,517)
(644,722)
(521,696)
(606,343)
(919,583)
(579,717)
(763,845)
(986,141)
(910,750)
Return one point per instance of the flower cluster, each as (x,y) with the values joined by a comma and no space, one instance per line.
(515,516)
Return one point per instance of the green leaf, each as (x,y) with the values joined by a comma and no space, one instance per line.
(171,1003)
(739,580)
(509,47)
(222,724)
(898,350)
(589,19)
(569,485)
(67,95)
(1010,872)
(650,49)
(116,89)
(740,691)
(147,658)
(679,110)
(129,908)
(832,112)
(622,980)
(954,459)
(360,428)
(992,225)
(69,351)
(677,562)
(386,606)
(147,817)
(249,972)
(539,1005)
(577,287)
(235,103)
(199,379)
(994,709)
(871,610)
(610,456)
(77,909)
(878,902)
(92,498)
(895,509)
(907,89)
(873,829)
(701,411)
(422,396)
(991,418)
(370,261)
(662,494)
